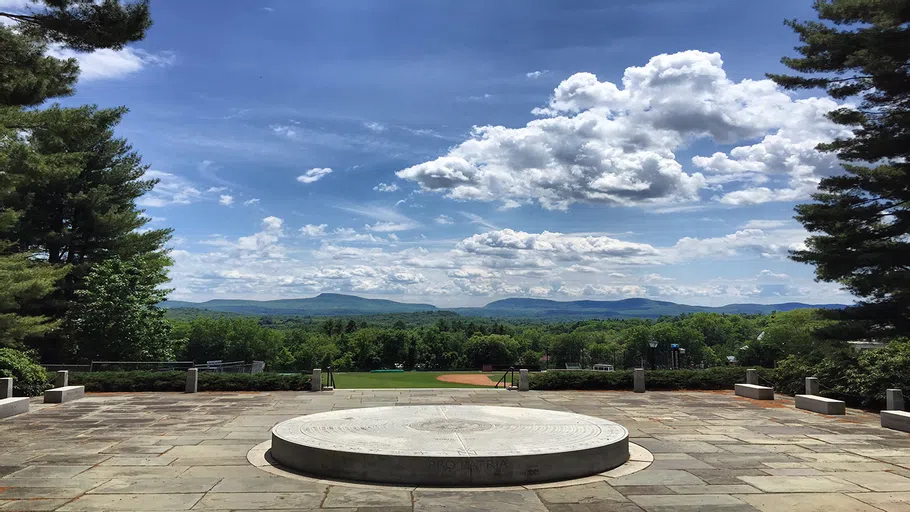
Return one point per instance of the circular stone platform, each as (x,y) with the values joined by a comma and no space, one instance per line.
(451,445)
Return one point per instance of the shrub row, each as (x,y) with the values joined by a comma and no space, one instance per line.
(710,378)
(176,381)
(28,377)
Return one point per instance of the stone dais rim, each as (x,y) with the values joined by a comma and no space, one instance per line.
(639,459)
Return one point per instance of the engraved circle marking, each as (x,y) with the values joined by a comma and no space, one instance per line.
(450,431)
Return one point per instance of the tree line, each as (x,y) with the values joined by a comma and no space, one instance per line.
(460,343)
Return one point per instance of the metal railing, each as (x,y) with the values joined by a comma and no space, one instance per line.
(502,380)
(328,378)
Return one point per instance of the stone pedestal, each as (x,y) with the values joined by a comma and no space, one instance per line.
(524,380)
(13,406)
(6,388)
(316,380)
(638,380)
(812,386)
(894,400)
(754,392)
(64,394)
(63,379)
(752,377)
(821,405)
(896,420)
(192,380)
(450,445)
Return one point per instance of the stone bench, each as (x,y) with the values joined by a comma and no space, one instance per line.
(754,391)
(821,405)
(63,394)
(13,406)
(897,420)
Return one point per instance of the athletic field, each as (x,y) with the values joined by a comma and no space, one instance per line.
(367,380)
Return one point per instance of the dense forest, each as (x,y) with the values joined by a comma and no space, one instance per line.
(442,340)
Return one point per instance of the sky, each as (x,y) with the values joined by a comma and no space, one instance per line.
(460,152)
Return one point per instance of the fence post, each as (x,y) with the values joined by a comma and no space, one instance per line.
(752,376)
(6,388)
(639,380)
(192,380)
(894,400)
(812,386)
(316,380)
(524,381)
(63,379)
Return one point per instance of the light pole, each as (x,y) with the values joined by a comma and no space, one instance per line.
(653,344)
(682,353)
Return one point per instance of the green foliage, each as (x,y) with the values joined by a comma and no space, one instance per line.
(860,220)
(789,334)
(858,379)
(116,316)
(176,381)
(83,25)
(29,378)
(723,377)
(24,280)
(67,186)
(491,349)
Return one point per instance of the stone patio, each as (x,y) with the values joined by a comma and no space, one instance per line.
(712,451)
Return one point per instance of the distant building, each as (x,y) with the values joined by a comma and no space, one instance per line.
(862,345)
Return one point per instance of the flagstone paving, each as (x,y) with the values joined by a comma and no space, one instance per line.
(712,451)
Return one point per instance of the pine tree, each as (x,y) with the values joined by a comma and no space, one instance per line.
(29,77)
(861,220)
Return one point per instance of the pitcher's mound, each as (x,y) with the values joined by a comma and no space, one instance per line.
(467,378)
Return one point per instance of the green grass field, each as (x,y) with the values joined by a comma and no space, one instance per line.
(366,380)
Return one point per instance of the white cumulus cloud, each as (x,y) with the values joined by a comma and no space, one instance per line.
(599,142)
(226,200)
(313,229)
(383,187)
(313,175)
(111,64)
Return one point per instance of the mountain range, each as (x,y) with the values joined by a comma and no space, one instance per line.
(334,304)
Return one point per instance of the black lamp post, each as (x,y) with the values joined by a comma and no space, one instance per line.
(653,344)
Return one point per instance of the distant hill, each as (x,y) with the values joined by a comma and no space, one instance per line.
(334,304)
(326,304)
(625,308)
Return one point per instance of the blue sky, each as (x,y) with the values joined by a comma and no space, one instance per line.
(330,146)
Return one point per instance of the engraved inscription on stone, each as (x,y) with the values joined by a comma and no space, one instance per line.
(450,425)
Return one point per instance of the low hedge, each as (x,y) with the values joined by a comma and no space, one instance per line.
(176,381)
(711,378)
(28,376)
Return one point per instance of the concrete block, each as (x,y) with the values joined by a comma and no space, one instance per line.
(64,394)
(6,387)
(752,377)
(316,380)
(63,379)
(524,380)
(896,420)
(821,405)
(638,380)
(812,386)
(754,392)
(192,380)
(13,406)
(894,400)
